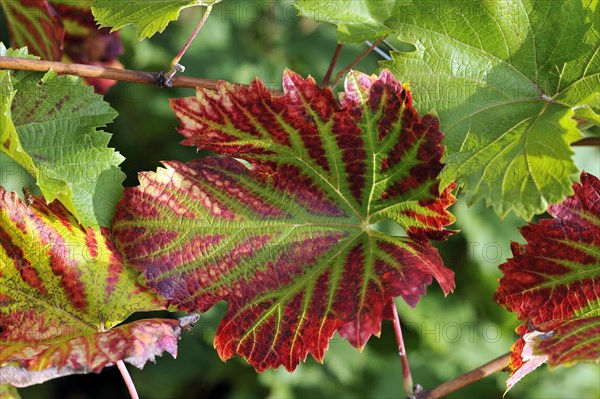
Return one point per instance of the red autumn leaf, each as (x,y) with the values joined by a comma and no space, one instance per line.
(63,289)
(58,30)
(553,282)
(289,241)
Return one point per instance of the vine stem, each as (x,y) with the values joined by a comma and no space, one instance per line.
(587,142)
(175,61)
(98,71)
(472,376)
(152,78)
(407,381)
(341,73)
(334,59)
(127,378)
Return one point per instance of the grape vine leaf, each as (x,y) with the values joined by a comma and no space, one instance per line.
(149,16)
(63,289)
(37,25)
(357,20)
(49,127)
(553,282)
(506,80)
(288,238)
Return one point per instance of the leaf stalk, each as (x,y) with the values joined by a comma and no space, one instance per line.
(175,65)
(407,381)
(341,73)
(334,58)
(127,378)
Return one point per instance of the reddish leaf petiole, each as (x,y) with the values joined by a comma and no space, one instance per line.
(175,66)
(127,379)
(341,73)
(334,59)
(407,381)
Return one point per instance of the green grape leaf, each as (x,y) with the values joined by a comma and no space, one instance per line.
(288,235)
(49,127)
(63,291)
(506,80)
(357,20)
(35,24)
(553,282)
(149,16)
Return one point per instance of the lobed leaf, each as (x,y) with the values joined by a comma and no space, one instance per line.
(289,238)
(554,282)
(49,127)
(149,16)
(507,80)
(63,289)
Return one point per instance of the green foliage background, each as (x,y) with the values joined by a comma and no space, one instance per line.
(445,336)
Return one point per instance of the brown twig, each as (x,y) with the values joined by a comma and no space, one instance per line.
(98,71)
(587,142)
(466,379)
(341,73)
(334,59)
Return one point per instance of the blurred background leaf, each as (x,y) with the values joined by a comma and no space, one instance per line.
(445,337)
